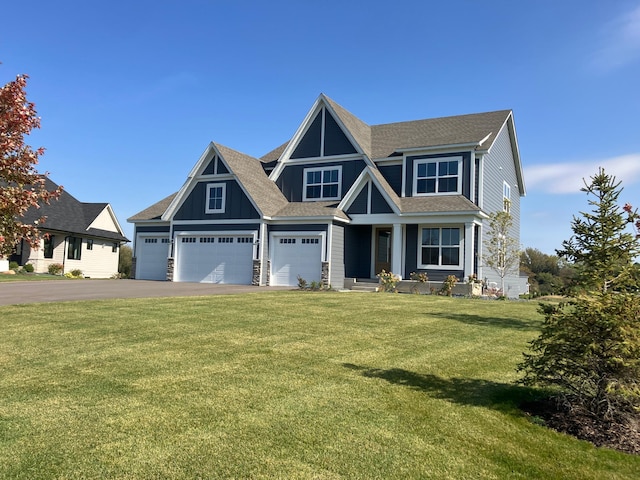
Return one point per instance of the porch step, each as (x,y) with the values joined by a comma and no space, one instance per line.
(364,285)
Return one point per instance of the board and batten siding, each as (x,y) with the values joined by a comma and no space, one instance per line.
(336,257)
(499,167)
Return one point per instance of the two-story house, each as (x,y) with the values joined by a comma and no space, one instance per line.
(342,199)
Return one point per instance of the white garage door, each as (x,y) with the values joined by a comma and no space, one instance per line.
(151,258)
(215,259)
(296,256)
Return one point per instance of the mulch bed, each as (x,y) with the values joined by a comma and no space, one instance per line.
(622,434)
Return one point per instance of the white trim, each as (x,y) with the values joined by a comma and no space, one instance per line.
(388,161)
(461,247)
(321,184)
(396,249)
(223,221)
(468,248)
(437,177)
(215,177)
(480,199)
(211,186)
(357,186)
(369,185)
(332,159)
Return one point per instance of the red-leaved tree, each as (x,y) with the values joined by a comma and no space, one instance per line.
(21,186)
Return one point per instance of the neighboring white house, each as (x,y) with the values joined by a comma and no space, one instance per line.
(77,235)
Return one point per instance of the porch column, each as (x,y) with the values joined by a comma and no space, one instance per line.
(396,250)
(468,249)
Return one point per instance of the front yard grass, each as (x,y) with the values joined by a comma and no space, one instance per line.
(278,385)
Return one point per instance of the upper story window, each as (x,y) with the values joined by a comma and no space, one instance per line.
(216,193)
(506,197)
(322,183)
(437,176)
(440,247)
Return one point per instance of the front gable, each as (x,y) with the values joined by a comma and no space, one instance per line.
(368,196)
(212,192)
(106,220)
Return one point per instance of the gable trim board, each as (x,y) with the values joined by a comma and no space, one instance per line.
(378,188)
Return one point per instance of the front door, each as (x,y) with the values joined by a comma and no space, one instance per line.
(383,250)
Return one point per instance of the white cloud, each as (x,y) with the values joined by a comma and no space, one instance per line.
(560,178)
(621,42)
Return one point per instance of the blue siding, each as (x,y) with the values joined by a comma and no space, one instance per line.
(359,205)
(291,181)
(155,228)
(218,227)
(378,203)
(309,145)
(335,141)
(237,205)
(393,175)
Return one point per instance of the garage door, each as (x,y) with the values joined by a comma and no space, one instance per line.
(215,259)
(293,256)
(151,258)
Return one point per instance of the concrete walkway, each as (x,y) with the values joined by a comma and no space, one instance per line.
(12,293)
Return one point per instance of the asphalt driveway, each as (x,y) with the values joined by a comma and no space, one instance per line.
(66,290)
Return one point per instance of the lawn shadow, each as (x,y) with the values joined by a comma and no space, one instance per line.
(469,319)
(466,391)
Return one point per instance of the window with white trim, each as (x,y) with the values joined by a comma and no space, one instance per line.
(322,183)
(506,197)
(216,193)
(437,176)
(440,247)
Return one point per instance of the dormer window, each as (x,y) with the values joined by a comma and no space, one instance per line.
(322,183)
(216,193)
(437,176)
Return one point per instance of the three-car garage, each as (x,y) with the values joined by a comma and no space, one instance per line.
(227,257)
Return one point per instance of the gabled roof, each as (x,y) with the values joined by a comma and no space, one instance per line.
(247,170)
(478,129)
(155,211)
(69,215)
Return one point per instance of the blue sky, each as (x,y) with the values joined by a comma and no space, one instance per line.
(131,93)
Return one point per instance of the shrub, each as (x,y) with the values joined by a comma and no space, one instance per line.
(448,284)
(388,281)
(77,273)
(55,269)
(28,268)
(13,266)
(302,283)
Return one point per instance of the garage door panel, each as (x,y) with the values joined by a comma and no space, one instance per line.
(215,259)
(296,256)
(151,258)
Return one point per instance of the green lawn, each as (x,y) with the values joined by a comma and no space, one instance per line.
(29,277)
(278,385)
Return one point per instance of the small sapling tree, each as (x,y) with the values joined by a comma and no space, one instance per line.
(503,250)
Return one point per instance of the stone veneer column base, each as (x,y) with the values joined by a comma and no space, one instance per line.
(255,279)
(324,278)
(132,274)
(170,264)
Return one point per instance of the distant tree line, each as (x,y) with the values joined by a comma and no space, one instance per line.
(548,274)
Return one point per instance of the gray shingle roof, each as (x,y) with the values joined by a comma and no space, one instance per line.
(437,204)
(311,209)
(388,139)
(155,211)
(67,214)
(265,193)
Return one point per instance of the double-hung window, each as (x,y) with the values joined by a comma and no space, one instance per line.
(215,198)
(48,246)
(440,247)
(322,183)
(434,176)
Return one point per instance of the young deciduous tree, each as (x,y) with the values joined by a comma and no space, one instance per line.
(21,186)
(589,347)
(502,250)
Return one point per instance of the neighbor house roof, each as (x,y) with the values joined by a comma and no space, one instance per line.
(67,214)
(155,211)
